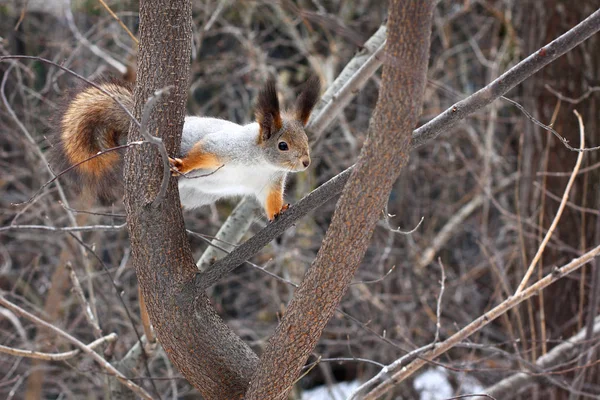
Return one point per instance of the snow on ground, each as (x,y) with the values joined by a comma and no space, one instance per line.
(339,391)
(433,384)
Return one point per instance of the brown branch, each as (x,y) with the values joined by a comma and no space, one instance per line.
(381,160)
(209,354)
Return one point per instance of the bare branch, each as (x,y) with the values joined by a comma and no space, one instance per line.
(508,80)
(57,356)
(158,142)
(438,312)
(89,228)
(561,207)
(82,346)
(229,234)
(564,141)
(87,310)
(397,377)
(565,351)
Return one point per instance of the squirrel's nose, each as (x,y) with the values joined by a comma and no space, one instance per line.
(306,163)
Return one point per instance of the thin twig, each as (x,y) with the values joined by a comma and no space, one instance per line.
(386,221)
(571,100)
(346,359)
(57,356)
(89,228)
(375,280)
(116,17)
(581,171)
(561,207)
(56,176)
(438,312)
(87,310)
(158,142)
(563,140)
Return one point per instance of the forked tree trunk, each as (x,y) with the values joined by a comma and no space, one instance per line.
(210,356)
(363,199)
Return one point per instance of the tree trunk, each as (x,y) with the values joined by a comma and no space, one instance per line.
(363,199)
(210,356)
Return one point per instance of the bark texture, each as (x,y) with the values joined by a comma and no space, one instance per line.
(362,201)
(210,356)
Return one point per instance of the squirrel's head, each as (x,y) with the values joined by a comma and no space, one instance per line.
(282,134)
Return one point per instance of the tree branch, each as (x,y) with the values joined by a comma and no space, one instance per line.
(508,80)
(400,375)
(209,354)
(420,137)
(56,356)
(560,354)
(82,346)
(381,160)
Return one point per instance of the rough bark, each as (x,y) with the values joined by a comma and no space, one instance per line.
(362,201)
(210,356)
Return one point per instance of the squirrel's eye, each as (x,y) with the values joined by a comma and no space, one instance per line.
(283,146)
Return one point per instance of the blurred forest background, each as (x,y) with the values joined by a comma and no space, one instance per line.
(487,192)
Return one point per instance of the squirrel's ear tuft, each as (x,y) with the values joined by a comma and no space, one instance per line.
(267,111)
(311,92)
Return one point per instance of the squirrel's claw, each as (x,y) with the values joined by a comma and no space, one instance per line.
(277,215)
(176,165)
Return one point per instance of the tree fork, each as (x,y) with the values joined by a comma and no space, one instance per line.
(210,356)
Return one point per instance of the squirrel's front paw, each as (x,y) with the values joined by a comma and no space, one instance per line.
(176,166)
(283,209)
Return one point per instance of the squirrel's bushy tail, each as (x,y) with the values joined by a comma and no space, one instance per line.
(92,122)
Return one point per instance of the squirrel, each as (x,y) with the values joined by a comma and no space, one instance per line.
(217,159)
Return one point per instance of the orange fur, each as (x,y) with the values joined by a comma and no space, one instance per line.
(96,166)
(274,203)
(83,128)
(196,159)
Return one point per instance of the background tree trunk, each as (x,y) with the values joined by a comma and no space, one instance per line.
(210,356)
(380,162)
